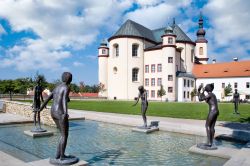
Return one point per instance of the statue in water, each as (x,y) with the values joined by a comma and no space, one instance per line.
(144,104)
(211,99)
(59,113)
(38,97)
(236,100)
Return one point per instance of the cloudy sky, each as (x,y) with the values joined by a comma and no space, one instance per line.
(52,36)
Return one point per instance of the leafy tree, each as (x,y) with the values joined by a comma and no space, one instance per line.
(74,88)
(228,90)
(193,93)
(101,87)
(161,92)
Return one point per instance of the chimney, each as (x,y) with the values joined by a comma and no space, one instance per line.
(235,59)
(214,61)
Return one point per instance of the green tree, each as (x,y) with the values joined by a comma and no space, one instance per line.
(193,93)
(74,88)
(161,92)
(228,90)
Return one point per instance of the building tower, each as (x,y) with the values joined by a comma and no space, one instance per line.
(169,68)
(201,43)
(103,54)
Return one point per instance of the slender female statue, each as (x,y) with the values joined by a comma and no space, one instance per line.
(38,97)
(211,99)
(144,104)
(59,113)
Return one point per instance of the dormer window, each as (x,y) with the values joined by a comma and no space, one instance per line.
(135,50)
(170,40)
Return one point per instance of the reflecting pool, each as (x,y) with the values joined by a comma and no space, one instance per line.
(108,144)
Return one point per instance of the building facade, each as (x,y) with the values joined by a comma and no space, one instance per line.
(136,55)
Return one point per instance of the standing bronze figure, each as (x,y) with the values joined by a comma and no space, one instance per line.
(236,100)
(59,113)
(38,97)
(211,99)
(144,104)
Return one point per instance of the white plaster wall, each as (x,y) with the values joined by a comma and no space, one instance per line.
(120,85)
(204,45)
(218,90)
(103,74)
(187,64)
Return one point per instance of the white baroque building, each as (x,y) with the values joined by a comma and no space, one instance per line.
(136,55)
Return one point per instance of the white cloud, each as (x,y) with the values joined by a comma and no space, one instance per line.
(229,32)
(156,13)
(92,57)
(77,64)
(64,25)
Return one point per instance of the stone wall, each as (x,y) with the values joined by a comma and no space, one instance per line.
(26,110)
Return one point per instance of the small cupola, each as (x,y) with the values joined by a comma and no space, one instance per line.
(169,30)
(104,43)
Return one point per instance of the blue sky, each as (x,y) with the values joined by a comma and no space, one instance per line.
(53,36)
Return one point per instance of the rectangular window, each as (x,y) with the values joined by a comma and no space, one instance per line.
(146,68)
(201,50)
(188,84)
(247,84)
(184,94)
(170,89)
(170,77)
(223,85)
(192,55)
(147,92)
(170,59)
(135,74)
(159,82)
(135,50)
(152,81)
(152,68)
(184,83)
(248,97)
(192,83)
(146,82)
(159,68)
(117,50)
(103,51)
(188,94)
(170,40)
(152,93)
(235,85)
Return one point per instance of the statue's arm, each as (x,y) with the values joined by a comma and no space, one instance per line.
(46,102)
(137,100)
(65,101)
(42,96)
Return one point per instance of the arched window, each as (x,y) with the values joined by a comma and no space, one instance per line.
(116,50)
(201,50)
(135,72)
(115,70)
(135,50)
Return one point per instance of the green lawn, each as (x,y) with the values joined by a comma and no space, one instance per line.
(166,109)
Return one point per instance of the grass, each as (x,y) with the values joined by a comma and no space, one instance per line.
(165,109)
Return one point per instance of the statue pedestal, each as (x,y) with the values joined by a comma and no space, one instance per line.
(145,130)
(38,134)
(47,163)
(206,147)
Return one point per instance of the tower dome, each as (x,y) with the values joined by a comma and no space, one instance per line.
(201,32)
(169,30)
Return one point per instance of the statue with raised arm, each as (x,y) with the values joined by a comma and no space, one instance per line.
(59,113)
(144,104)
(236,100)
(211,99)
(38,97)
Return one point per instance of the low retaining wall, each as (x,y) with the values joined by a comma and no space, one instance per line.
(26,110)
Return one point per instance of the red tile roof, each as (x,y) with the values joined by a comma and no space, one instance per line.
(219,70)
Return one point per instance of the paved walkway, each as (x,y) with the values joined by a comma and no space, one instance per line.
(6,118)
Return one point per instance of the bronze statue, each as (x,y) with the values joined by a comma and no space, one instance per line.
(59,113)
(211,99)
(236,100)
(38,97)
(144,104)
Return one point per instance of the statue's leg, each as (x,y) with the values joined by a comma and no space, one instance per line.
(64,125)
(237,104)
(58,152)
(235,107)
(143,111)
(35,118)
(212,127)
(38,119)
(208,129)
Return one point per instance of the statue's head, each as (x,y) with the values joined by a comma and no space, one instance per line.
(235,90)
(141,89)
(38,80)
(67,77)
(209,87)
